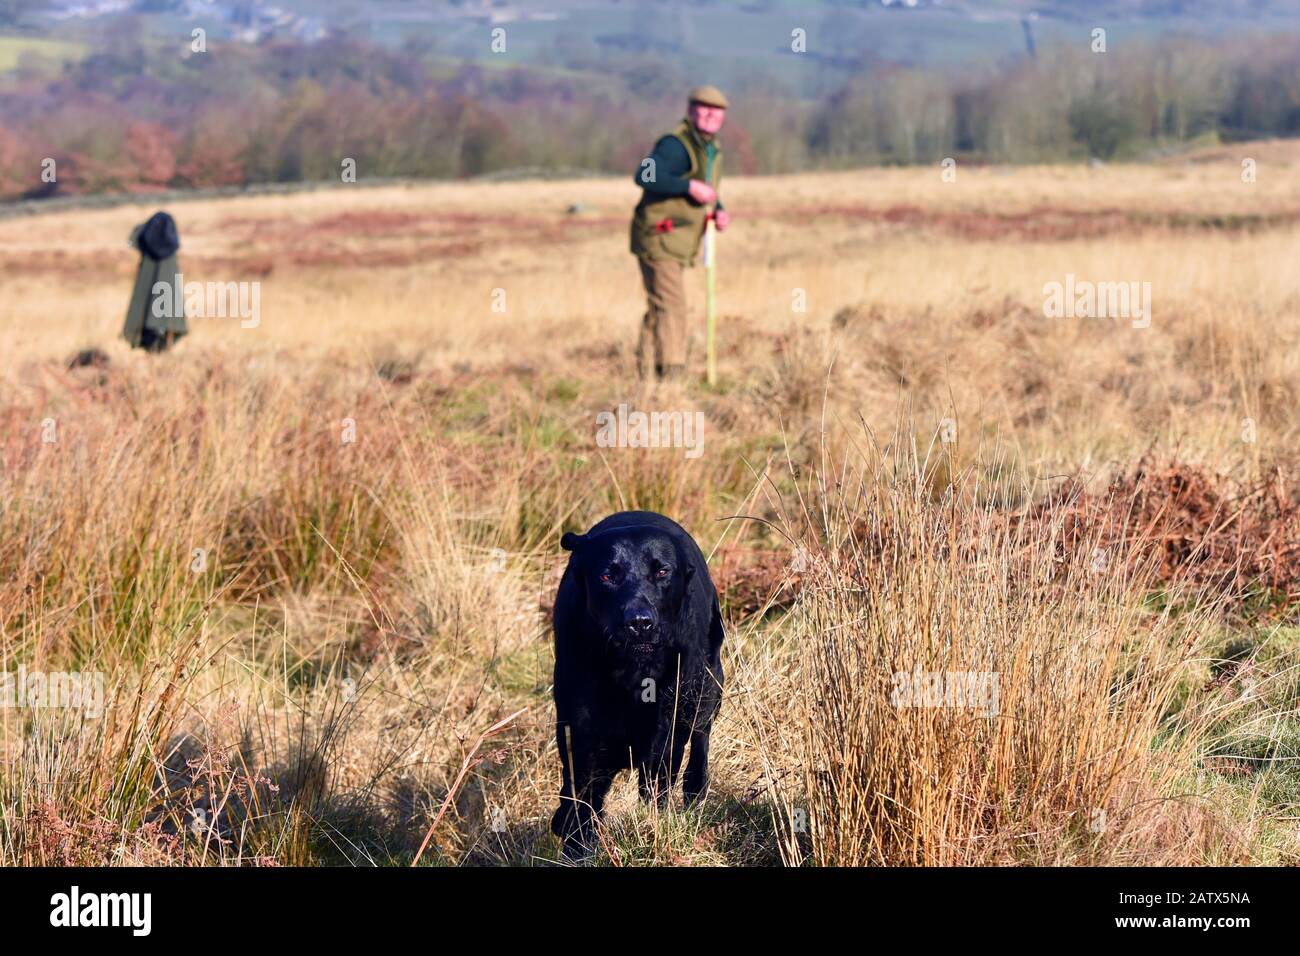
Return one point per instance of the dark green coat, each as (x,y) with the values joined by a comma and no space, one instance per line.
(144,328)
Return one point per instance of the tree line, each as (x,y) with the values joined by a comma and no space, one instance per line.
(133,116)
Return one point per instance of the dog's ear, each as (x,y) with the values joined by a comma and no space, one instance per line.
(717,632)
(571,541)
(686,560)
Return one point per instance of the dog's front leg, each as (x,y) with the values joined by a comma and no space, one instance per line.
(695,784)
(658,775)
(587,778)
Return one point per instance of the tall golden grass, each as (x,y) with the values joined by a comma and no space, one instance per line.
(1051,681)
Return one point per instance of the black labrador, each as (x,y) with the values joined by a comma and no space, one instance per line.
(638,668)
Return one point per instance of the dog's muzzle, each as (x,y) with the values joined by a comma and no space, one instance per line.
(640,631)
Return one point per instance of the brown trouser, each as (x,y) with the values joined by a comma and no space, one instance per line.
(663,330)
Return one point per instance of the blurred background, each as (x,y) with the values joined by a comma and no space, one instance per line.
(121,95)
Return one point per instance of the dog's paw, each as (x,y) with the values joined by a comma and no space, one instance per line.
(561,820)
(694,792)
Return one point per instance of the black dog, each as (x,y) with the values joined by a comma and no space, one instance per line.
(638,669)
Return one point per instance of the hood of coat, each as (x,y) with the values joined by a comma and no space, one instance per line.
(157,238)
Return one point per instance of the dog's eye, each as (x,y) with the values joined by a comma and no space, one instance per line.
(662,573)
(609,574)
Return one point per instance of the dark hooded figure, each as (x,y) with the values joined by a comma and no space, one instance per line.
(156,319)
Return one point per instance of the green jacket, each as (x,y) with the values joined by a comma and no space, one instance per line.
(670,227)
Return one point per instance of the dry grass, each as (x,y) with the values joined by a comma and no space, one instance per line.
(367,609)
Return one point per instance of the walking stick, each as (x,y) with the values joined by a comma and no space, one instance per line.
(710,335)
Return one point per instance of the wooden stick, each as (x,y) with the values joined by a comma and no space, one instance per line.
(711,344)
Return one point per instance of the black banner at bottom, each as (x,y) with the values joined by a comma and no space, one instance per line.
(137,906)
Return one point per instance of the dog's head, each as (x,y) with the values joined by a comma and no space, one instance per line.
(635,581)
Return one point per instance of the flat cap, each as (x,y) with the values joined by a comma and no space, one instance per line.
(709,96)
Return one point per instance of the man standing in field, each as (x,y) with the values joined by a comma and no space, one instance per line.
(680,193)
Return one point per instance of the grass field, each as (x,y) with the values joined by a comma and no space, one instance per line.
(12,49)
(314,558)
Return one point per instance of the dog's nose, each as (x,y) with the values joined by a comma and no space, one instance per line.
(640,622)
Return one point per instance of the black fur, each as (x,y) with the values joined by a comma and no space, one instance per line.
(638,669)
